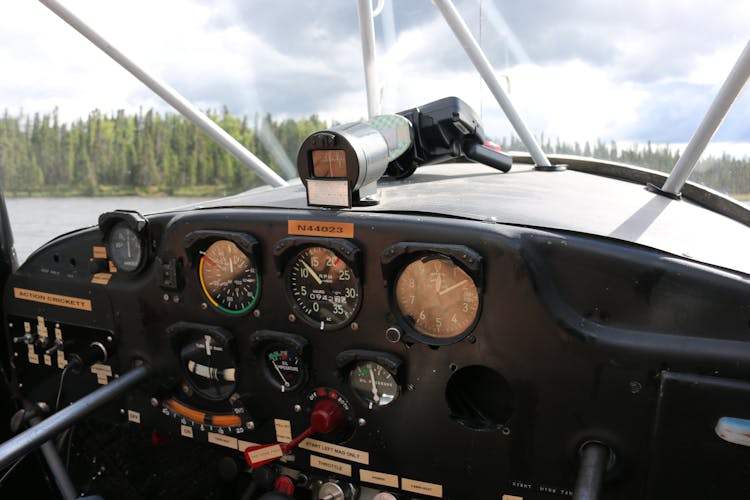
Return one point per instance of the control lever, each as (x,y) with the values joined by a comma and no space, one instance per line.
(326,417)
(595,460)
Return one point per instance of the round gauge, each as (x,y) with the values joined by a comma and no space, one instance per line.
(437,298)
(373,384)
(229,278)
(210,368)
(125,248)
(284,367)
(323,288)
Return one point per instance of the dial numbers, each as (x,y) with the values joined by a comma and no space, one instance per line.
(125,248)
(323,287)
(436,297)
(229,278)
(373,384)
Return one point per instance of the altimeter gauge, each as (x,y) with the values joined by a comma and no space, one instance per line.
(436,297)
(323,288)
(229,277)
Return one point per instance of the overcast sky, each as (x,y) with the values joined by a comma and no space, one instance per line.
(578,69)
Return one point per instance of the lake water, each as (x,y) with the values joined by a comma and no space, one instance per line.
(35,221)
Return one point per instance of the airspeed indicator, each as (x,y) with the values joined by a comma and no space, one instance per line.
(229,278)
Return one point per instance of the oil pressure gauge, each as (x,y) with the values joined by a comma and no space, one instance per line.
(373,384)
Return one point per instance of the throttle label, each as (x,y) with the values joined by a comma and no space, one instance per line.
(330,465)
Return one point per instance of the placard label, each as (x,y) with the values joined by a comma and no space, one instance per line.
(222,440)
(52,299)
(431,489)
(317,228)
(380,478)
(334,450)
(283,430)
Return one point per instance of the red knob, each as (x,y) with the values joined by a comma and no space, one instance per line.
(326,416)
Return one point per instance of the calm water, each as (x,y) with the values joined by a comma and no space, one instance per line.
(37,220)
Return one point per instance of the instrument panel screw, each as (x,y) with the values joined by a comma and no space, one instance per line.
(109,338)
(635,387)
(154,402)
(186,390)
(122,411)
(250,425)
(204,306)
(297,408)
(176,299)
(292,318)
(256,313)
(410,387)
(505,431)
(355,326)
(362,422)
(165,297)
(393,334)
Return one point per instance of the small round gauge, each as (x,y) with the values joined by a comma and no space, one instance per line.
(284,367)
(229,278)
(373,384)
(209,365)
(324,289)
(437,298)
(125,248)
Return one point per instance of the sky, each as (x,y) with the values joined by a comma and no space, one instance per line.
(630,71)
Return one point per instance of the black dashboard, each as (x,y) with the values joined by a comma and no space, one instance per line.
(463,358)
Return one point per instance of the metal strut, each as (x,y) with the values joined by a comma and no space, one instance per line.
(46,429)
(171,96)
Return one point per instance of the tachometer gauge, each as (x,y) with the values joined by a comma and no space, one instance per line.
(373,384)
(125,247)
(324,289)
(229,278)
(436,297)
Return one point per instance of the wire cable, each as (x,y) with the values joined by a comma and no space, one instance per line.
(60,387)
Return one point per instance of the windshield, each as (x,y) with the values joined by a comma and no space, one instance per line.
(626,81)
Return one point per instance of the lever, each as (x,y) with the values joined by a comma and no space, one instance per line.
(595,459)
(326,416)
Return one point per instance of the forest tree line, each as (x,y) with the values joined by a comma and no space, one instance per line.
(149,153)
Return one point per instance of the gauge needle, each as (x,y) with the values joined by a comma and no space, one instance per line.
(128,242)
(451,288)
(312,273)
(283,380)
(374,387)
(438,282)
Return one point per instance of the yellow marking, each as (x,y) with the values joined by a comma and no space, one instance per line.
(222,440)
(47,359)
(112,267)
(283,430)
(134,416)
(330,465)
(203,285)
(317,228)
(186,430)
(334,450)
(430,489)
(379,478)
(52,299)
(101,278)
(100,252)
(265,453)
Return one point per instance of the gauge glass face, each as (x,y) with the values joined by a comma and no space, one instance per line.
(324,288)
(210,368)
(125,247)
(329,163)
(229,278)
(373,384)
(285,368)
(436,297)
